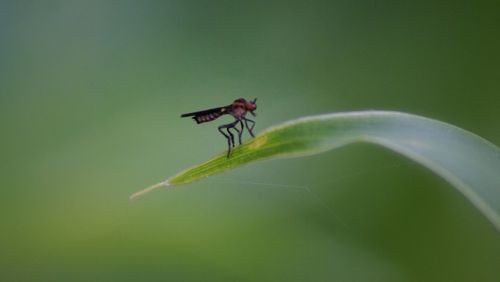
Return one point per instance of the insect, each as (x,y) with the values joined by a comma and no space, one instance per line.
(238,109)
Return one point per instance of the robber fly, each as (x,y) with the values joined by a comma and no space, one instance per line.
(238,110)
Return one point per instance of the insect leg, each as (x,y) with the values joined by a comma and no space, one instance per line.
(230,137)
(230,134)
(240,131)
(250,129)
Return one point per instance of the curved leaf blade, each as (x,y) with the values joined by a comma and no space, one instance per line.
(468,162)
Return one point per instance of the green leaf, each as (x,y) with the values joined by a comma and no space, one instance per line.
(468,162)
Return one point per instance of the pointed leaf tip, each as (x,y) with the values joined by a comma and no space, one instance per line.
(149,189)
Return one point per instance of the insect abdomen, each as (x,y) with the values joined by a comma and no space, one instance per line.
(207,117)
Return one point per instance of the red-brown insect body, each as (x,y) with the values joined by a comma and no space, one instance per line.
(237,109)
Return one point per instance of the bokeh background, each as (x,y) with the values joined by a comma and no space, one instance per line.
(90,98)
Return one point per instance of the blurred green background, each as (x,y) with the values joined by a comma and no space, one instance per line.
(90,98)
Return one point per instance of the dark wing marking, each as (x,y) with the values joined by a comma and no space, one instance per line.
(206,115)
(204,112)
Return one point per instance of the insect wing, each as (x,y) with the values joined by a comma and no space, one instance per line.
(206,115)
